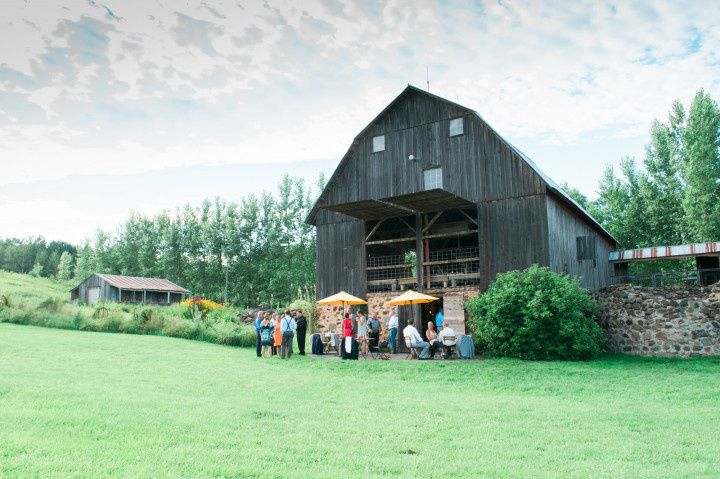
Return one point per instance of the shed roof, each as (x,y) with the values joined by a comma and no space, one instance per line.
(551,185)
(140,283)
(666,252)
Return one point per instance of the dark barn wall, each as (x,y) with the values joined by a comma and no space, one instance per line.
(513,234)
(513,199)
(565,225)
(341,258)
(477,165)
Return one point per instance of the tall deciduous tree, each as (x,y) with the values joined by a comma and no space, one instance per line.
(700,166)
(66,267)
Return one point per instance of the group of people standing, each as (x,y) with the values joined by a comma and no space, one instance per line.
(275,333)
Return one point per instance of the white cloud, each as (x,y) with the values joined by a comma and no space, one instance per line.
(163,84)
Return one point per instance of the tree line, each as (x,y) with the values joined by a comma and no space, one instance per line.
(254,251)
(260,250)
(673,195)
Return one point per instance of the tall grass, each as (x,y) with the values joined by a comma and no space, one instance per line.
(41,304)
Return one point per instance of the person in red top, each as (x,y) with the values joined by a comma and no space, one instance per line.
(347,326)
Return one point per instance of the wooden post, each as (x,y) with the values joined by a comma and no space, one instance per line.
(144,296)
(419,252)
(120,295)
(168,297)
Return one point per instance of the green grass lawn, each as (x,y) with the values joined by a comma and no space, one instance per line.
(96,405)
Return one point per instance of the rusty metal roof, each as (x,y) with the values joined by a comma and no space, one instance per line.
(666,252)
(139,283)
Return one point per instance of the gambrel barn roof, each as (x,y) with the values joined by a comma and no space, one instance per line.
(552,187)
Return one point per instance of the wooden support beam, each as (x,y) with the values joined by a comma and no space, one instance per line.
(408,224)
(391,241)
(451,261)
(432,221)
(395,266)
(472,220)
(374,229)
(419,247)
(451,235)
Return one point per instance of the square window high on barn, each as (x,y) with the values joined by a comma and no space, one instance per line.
(378,143)
(585,247)
(457,127)
(432,178)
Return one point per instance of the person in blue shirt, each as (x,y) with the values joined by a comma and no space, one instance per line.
(439,319)
(258,326)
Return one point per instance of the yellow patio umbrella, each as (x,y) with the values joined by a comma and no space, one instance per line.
(342,298)
(411,297)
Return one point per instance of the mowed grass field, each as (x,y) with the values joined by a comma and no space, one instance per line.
(111,405)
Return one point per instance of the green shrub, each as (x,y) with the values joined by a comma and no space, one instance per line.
(5,301)
(51,305)
(232,334)
(536,314)
(222,315)
(101,311)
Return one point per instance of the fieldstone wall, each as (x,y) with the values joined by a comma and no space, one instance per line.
(664,321)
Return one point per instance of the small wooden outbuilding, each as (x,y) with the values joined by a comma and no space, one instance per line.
(127,289)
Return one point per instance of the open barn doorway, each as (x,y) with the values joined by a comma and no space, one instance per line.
(428,312)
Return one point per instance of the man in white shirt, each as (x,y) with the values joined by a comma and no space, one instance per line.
(417,341)
(393,328)
(447,344)
(288,326)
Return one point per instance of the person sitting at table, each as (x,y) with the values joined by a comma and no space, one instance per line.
(374,332)
(432,337)
(416,340)
(447,344)
(362,333)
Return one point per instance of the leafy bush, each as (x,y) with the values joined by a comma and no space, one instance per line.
(537,314)
(101,311)
(5,301)
(51,305)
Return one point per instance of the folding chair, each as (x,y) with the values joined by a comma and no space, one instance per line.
(448,344)
(412,350)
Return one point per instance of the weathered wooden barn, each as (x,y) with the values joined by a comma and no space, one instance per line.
(127,289)
(429,196)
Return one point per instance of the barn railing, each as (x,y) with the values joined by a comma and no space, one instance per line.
(445,268)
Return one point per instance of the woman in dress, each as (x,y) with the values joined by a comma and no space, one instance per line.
(266,335)
(362,332)
(432,337)
(277,334)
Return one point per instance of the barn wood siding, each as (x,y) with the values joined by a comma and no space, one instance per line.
(564,227)
(477,165)
(341,258)
(513,234)
(94,281)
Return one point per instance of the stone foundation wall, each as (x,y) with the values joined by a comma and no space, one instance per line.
(666,321)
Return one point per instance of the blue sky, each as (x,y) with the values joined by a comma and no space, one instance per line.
(113,106)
